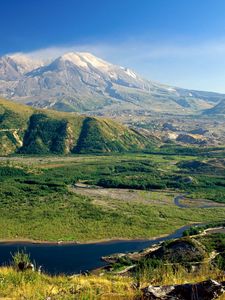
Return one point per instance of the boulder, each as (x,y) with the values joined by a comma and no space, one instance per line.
(205,290)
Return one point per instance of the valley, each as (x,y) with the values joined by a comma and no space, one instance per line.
(112,150)
(195,130)
(134,198)
(87,186)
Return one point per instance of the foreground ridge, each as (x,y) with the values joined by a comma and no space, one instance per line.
(31,131)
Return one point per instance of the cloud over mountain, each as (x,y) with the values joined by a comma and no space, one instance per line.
(80,81)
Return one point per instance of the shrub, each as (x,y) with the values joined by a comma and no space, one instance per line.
(20,258)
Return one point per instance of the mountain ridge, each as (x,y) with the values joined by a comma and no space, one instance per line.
(27,130)
(79,81)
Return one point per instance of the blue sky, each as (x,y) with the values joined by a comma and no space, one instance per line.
(179,42)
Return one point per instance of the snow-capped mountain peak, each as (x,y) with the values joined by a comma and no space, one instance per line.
(85,60)
(95,61)
(80,81)
(74,58)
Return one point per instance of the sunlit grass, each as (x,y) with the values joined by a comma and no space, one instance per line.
(31,285)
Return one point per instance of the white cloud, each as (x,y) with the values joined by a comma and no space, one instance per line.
(137,50)
(197,65)
(54,52)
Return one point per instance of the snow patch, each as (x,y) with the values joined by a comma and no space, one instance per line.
(75,59)
(94,61)
(130,73)
(170,89)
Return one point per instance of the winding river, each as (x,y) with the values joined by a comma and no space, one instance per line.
(76,258)
(207,204)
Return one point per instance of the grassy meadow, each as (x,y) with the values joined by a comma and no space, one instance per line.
(38,199)
(33,286)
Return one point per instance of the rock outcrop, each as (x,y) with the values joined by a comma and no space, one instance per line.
(205,290)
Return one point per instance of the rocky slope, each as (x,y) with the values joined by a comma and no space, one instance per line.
(218,109)
(84,83)
(27,130)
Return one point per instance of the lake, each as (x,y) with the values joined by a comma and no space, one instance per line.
(76,258)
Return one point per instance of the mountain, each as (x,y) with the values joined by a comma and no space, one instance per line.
(218,109)
(84,83)
(35,131)
(13,67)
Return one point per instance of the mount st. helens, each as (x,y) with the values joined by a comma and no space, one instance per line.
(81,82)
(24,129)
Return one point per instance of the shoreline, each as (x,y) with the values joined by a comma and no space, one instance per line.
(99,241)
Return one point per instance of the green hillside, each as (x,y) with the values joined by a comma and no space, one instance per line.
(30,131)
(103,135)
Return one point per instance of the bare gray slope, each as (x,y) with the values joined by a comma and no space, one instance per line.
(82,82)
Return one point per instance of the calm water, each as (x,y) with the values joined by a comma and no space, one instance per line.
(70,259)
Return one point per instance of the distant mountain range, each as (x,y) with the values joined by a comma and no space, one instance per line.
(82,82)
(24,129)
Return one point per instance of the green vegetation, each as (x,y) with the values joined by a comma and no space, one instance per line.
(101,135)
(30,131)
(181,251)
(38,201)
(199,229)
(174,149)
(37,196)
(215,242)
(31,285)
(206,182)
(175,260)
(20,257)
